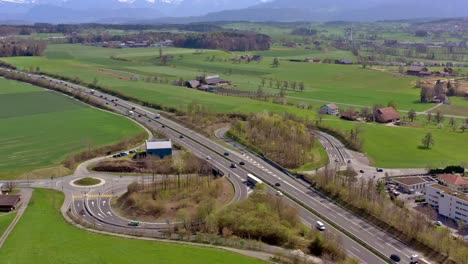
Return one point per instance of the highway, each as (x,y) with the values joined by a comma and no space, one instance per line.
(296,192)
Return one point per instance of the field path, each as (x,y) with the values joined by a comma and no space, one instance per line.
(26,194)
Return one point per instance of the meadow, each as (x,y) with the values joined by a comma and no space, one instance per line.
(347,85)
(43,236)
(5,221)
(41,128)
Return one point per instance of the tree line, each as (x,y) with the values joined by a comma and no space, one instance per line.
(17,47)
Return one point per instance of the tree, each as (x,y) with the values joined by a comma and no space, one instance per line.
(392,104)
(429,117)
(428,140)
(427,93)
(412,115)
(301,86)
(260,93)
(160,52)
(453,123)
(439,117)
(316,246)
(276,62)
(152,164)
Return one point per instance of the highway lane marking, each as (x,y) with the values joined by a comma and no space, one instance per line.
(355,256)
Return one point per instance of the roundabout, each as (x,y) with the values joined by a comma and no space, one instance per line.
(87,182)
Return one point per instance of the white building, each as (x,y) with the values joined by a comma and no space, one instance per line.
(330,109)
(450,203)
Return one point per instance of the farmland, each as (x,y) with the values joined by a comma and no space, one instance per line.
(33,242)
(347,85)
(41,128)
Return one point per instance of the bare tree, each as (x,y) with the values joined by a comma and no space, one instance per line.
(412,115)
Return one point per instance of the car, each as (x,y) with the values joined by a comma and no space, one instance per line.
(163,126)
(226,154)
(149,120)
(181,136)
(107,103)
(157,116)
(100,96)
(278,193)
(233,165)
(337,160)
(123,154)
(133,108)
(133,223)
(320,226)
(115,105)
(132,151)
(115,156)
(277,184)
(361,171)
(139,115)
(242,163)
(438,223)
(395,258)
(414,259)
(349,161)
(208,158)
(379,170)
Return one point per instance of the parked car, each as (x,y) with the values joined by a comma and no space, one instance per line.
(123,154)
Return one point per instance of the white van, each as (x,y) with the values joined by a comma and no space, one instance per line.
(320,226)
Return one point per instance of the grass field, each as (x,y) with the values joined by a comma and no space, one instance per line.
(348,85)
(40,128)
(43,236)
(5,221)
(400,147)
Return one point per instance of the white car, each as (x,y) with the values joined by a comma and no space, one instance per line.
(278,193)
(320,226)
(208,158)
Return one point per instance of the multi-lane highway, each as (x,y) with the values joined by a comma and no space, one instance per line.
(312,205)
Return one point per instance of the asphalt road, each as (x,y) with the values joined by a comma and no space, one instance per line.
(296,192)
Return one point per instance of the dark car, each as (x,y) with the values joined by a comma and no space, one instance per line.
(123,154)
(233,165)
(379,170)
(395,258)
(139,115)
(181,136)
(242,163)
(133,108)
(133,223)
(226,153)
(163,126)
(361,171)
(277,184)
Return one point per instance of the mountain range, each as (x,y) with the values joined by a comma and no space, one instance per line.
(184,11)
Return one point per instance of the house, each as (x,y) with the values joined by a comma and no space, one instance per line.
(387,115)
(418,71)
(454,182)
(159,147)
(448,202)
(330,109)
(413,184)
(441,99)
(344,61)
(257,58)
(192,84)
(9,202)
(213,80)
(350,115)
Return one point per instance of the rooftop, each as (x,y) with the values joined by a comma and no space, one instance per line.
(388,113)
(332,106)
(452,179)
(410,180)
(158,144)
(9,200)
(451,192)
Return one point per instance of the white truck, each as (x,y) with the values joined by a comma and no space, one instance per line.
(253,180)
(157,116)
(414,259)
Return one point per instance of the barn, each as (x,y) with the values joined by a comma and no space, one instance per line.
(160,147)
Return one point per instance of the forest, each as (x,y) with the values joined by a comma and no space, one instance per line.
(11,48)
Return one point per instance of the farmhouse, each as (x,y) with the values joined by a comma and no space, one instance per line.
(159,147)
(213,80)
(192,84)
(329,109)
(454,182)
(413,184)
(350,115)
(387,115)
(344,61)
(9,202)
(418,71)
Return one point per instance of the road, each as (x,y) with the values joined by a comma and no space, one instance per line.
(297,193)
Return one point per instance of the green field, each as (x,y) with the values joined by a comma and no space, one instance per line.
(400,147)
(43,236)
(40,128)
(5,221)
(346,85)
